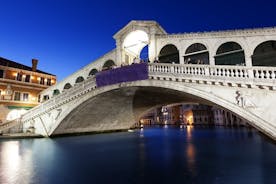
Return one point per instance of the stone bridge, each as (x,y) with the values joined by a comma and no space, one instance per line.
(87,108)
(234,70)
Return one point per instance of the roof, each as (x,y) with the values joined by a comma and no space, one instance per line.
(13,64)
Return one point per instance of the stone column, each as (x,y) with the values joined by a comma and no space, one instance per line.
(152,45)
(119,51)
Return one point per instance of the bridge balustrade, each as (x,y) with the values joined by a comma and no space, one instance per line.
(260,75)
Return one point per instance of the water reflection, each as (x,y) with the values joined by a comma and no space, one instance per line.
(13,163)
(190,152)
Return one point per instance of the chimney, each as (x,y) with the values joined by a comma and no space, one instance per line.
(34,64)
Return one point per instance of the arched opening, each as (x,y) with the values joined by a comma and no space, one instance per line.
(108,65)
(144,54)
(196,54)
(133,44)
(265,54)
(79,79)
(93,72)
(67,86)
(230,53)
(169,54)
(56,92)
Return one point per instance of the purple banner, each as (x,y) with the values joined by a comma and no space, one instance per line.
(128,73)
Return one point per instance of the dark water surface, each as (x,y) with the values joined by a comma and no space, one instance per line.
(158,155)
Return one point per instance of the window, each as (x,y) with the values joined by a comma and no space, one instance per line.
(1,73)
(27,79)
(25,97)
(17,96)
(42,80)
(19,76)
(48,82)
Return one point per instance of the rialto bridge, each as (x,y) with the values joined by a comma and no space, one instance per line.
(234,70)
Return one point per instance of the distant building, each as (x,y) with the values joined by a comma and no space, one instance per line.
(197,115)
(20,87)
(190,114)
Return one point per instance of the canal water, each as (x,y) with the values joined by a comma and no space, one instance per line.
(154,155)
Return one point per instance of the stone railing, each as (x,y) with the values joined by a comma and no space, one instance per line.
(259,76)
(66,96)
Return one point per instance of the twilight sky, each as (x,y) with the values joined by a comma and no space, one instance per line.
(66,35)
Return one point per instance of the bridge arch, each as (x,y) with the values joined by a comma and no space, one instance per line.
(133,44)
(230,53)
(79,80)
(169,54)
(93,72)
(196,53)
(108,64)
(67,86)
(265,54)
(135,98)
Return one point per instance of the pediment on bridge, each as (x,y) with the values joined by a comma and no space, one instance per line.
(147,26)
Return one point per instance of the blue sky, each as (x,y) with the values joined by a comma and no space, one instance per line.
(66,35)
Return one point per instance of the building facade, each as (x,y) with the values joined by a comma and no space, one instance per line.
(20,87)
(191,114)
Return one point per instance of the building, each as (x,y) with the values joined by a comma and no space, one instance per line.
(191,114)
(197,114)
(20,87)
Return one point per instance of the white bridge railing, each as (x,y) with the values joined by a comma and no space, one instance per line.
(259,76)
(254,75)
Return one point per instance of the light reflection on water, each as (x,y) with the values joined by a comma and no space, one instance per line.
(160,155)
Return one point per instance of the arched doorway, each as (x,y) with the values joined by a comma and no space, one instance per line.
(93,72)
(230,53)
(196,53)
(265,54)
(108,65)
(67,86)
(169,54)
(134,45)
(79,79)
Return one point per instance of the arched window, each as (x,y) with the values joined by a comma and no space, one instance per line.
(108,65)
(169,54)
(56,92)
(79,79)
(196,54)
(265,54)
(67,86)
(230,53)
(93,72)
